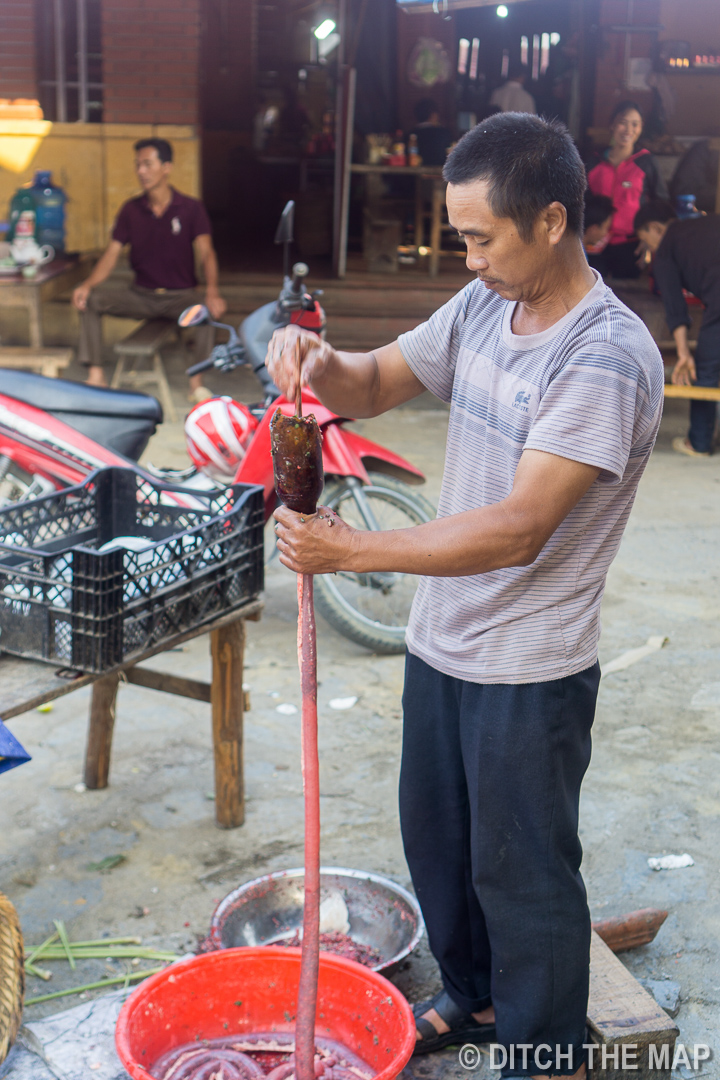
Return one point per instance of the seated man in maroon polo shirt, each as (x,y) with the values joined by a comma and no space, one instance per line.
(166,232)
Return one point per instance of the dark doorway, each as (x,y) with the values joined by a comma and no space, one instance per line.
(537,33)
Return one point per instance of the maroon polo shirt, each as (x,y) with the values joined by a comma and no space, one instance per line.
(161,248)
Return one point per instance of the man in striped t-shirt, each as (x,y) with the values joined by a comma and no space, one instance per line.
(555,393)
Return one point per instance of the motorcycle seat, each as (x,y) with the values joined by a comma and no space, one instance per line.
(63,396)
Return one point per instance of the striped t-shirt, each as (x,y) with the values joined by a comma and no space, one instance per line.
(590,389)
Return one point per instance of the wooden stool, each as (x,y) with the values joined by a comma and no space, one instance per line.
(49,362)
(381,238)
(145,344)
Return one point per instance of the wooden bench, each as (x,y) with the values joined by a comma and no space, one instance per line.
(43,361)
(695,393)
(144,344)
(621,1013)
(668,344)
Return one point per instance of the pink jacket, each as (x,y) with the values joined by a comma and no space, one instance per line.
(628,184)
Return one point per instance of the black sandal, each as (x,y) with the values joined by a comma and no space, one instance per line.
(464,1028)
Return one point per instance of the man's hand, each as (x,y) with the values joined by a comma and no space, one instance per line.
(317,543)
(291,349)
(684,373)
(80,296)
(215,304)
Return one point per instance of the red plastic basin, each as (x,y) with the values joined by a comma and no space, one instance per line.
(238,991)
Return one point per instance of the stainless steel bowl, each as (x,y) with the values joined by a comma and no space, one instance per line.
(269,909)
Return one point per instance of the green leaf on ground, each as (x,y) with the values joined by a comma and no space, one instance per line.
(108,863)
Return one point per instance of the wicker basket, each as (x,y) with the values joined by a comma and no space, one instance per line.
(12,975)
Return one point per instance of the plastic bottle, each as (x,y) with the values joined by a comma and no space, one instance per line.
(49,210)
(398,150)
(686,208)
(414,158)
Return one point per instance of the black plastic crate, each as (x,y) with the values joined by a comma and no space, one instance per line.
(63,600)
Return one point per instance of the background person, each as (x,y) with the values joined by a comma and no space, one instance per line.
(555,391)
(512,95)
(629,177)
(687,256)
(433,139)
(697,174)
(599,212)
(166,232)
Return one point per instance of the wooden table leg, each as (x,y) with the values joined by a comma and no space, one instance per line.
(35,314)
(100,731)
(438,198)
(226,696)
(419,208)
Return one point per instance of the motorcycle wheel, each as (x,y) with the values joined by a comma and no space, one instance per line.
(372,609)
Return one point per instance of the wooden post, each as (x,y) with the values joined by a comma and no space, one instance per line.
(35,313)
(419,212)
(100,731)
(342,162)
(226,696)
(438,200)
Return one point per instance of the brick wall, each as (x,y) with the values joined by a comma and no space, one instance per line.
(17,49)
(150,61)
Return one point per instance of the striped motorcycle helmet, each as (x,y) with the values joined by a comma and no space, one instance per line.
(218,432)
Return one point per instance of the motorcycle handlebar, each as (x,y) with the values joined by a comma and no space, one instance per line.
(202,366)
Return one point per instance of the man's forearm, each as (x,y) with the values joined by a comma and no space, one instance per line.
(210,272)
(475,542)
(680,334)
(512,532)
(349,386)
(102,270)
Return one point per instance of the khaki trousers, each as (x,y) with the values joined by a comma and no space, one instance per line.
(137,303)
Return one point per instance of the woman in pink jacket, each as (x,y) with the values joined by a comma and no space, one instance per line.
(630,178)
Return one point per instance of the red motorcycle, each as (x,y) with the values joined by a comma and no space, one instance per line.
(53,433)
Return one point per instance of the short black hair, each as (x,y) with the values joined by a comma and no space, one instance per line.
(528,163)
(598,208)
(163,147)
(655,210)
(623,107)
(424,110)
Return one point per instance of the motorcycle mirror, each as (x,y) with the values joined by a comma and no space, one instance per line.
(284,231)
(194,316)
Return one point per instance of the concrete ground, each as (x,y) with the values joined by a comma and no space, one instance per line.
(651,789)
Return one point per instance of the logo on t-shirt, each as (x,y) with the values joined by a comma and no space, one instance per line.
(175,225)
(522,400)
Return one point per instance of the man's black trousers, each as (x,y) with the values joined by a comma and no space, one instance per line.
(707,365)
(489,792)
